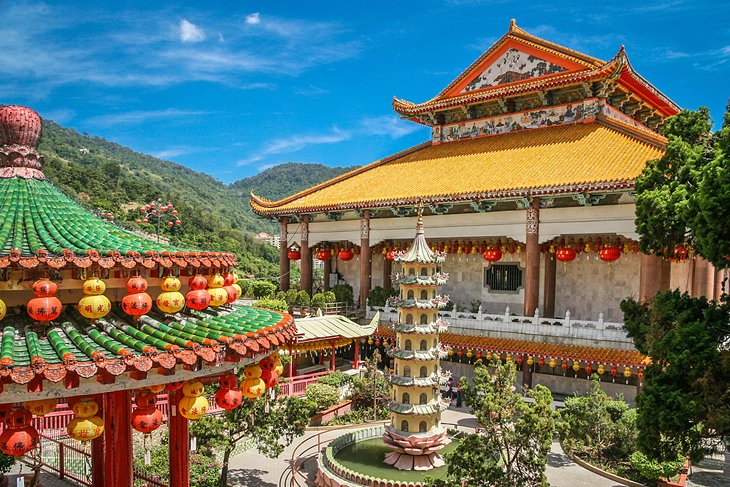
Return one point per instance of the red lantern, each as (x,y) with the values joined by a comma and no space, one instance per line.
(323,255)
(137,304)
(229,381)
(197,299)
(492,255)
(136,284)
(228,399)
(459,353)
(229,279)
(614,370)
(541,361)
(565,254)
(45,306)
(174,386)
(345,255)
(19,436)
(389,255)
(198,282)
(589,369)
(609,254)
(146,418)
(232,294)
(564,365)
(640,374)
(519,360)
(377,342)
(294,254)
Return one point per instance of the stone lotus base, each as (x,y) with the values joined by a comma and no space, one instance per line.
(415,451)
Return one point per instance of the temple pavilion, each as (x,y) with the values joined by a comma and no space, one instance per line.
(79,326)
(527,181)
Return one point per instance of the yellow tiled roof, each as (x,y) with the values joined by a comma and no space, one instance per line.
(559,159)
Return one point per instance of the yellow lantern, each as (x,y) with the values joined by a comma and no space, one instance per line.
(451,351)
(509,357)
(469,353)
(193,407)
(170,284)
(41,407)
(85,408)
(238,288)
(278,366)
(170,302)
(94,307)
(216,280)
(3,309)
(94,286)
(489,356)
(370,340)
(627,372)
(530,360)
(253,388)
(553,363)
(85,429)
(218,296)
(576,366)
(193,388)
(601,369)
(156,389)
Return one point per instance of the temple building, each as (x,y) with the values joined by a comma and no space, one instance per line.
(92,316)
(527,181)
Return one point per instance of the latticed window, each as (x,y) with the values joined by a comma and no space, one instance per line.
(503,277)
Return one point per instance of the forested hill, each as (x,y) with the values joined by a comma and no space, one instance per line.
(287,179)
(104,175)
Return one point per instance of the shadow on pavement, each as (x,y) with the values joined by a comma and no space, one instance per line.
(248,477)
(558,460)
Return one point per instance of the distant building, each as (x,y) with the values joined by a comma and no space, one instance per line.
(269,239)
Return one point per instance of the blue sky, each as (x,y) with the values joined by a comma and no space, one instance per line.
(233,87)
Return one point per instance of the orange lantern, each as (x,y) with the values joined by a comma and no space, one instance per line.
(268,372)
(197,298)
(198,282)
(323,255)
(45,306)
(136,284)
(229,279)
(228,396)
(233,293)
(19,436)
(137,304)
(146,418)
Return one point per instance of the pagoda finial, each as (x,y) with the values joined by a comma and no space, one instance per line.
(419,222)
(20,131)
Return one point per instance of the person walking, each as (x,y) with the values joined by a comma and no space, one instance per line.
(458,394)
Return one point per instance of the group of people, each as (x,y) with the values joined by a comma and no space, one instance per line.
(451,394)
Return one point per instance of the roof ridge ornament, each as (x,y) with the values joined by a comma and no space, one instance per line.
(20,132)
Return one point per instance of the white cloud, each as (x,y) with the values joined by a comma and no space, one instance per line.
(389,125)
(61,115)
(190,32)
(171,152)
(139,116)
(295,143)
(253,19)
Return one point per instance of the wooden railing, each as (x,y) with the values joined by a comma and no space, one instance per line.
(297,385)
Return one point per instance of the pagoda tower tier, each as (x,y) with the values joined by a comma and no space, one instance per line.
(415,433)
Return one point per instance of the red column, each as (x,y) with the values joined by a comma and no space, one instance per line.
(387,271)
(117,440)
(648,277)
(179,444)
(532,258)
(292,361)
(284,264)
(548,303)
(356,362)
(364,257)
(97,452)
(306,257)
(333,358)
(326,274)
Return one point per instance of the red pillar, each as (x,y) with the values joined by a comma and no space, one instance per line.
(97,452)
(387,271)
(649,277)
(292,361)
(179,444)
(117,440)
(364,257)
(532,258)
(356,362)
(284,263)
(333,358)
(548,306)
(306,257)
(326,273)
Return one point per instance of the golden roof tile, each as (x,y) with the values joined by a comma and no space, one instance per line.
(559,159)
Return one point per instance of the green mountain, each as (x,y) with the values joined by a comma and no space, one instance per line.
(104,175)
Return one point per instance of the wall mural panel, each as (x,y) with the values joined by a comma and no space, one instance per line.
(582,111)
(513,65)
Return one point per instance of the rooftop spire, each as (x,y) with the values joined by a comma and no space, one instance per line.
(419,222)
(20,132)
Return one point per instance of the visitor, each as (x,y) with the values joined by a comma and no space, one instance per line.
(458,394)
(450,389)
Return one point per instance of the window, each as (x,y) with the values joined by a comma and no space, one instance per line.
(410,294)
(423,399)
(424,294)
(503,277)
(406,398)
(424,371)
(409,319)
(424,271)
(411,271)
(404,425)
(408,346)
(424,319)
(422,427)
(406,371)
(424,345)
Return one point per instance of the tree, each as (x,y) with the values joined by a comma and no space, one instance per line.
(372,388)
(682,197)
(512,450)
(262,289)
(271,423)
(686,395)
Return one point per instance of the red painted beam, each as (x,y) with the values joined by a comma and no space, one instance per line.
(118,456)
(97,451)
(179,444)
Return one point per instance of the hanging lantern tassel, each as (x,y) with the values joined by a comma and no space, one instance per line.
(147,452)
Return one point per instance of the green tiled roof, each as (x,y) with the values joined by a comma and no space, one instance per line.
(35,215)
(118,344)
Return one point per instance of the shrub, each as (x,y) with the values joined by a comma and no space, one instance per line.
(262,289)
(290,296)
(322,396)
(379,295)
(6,463)
(245,287)
(204,470)
(302,299)
(652,470)
(336,379)
(280,295)
(329,297)
(343,293)
(318,300)
(275,304)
